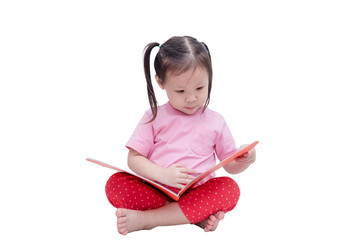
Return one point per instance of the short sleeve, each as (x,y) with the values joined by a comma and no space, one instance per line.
(225,143)
(142,140)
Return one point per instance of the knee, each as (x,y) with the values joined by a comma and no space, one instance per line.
(120,181)
(232,187)
(127,191)
(115,186)
(115,181)
(229,191)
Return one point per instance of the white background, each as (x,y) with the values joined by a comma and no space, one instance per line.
(286,73)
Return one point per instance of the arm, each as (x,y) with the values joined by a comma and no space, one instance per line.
(242,163)
(142,166)
(176,175)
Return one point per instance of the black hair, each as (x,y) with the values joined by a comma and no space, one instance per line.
(176,56)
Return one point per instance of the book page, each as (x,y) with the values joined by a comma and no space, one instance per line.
(171,193)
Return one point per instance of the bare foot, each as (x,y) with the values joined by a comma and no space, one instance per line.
(133,220)
(212,222)
(130,221)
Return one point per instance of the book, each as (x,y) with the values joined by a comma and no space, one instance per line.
(170,191)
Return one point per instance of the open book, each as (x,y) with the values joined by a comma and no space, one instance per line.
(170,192)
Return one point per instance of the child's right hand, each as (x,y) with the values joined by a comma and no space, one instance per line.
(177,176)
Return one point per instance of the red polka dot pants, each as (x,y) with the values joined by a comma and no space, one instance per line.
(197,204)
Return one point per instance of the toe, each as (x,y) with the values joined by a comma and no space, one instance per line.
(121,220)
(220,215)
(212,219)
(120,212)
(121,225)
(122,231)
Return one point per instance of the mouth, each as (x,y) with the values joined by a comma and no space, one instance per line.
(190,108)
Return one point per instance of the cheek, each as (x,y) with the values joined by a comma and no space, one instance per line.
(178,101)
(173,98)
(203,97)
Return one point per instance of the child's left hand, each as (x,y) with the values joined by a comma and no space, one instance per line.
(247,158)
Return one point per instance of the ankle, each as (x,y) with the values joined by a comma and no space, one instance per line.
(146,220)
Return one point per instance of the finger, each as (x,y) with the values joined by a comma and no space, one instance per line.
(179,165)
(252,152)
(187,176)
(184,181)
(187,170)
(244,159)
(180,185)
(243,146)
(183,169)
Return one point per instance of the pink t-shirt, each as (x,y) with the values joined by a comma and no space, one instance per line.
(192,140)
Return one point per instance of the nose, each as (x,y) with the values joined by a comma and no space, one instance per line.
(191,97)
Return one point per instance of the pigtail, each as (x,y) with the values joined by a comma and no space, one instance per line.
(210,77)
(150,89)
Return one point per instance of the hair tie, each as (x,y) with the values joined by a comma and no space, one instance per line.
(159,45)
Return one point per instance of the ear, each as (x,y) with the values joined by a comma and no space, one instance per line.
(159,82)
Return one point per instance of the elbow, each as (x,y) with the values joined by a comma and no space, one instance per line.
(130,159)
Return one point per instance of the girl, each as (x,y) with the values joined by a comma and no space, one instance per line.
(173,143)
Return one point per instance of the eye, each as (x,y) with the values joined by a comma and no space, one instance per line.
(199,88)
(179,91)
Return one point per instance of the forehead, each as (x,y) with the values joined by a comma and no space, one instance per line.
(193,76)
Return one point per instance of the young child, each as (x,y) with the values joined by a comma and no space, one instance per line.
(175,142)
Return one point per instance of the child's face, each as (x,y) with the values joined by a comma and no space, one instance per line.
(188,91)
